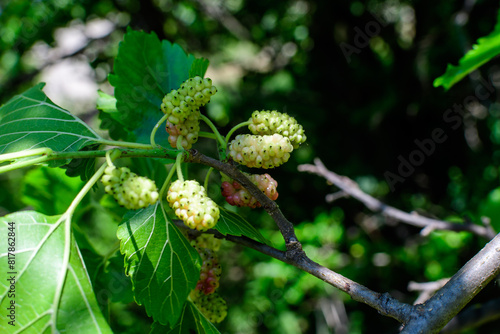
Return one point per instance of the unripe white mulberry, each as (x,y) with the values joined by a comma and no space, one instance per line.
(129,189)
(192,205)
(182,106)
(260,151)
(267,122)
(181,103)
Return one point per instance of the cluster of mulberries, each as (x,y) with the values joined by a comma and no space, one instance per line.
(183,109)
(204,296)
(210,271)
(212,306)
(237,195)
(206,241)
(129,189)
(267,122)
(188,130)
(207,246)
(191,204)
(260,151)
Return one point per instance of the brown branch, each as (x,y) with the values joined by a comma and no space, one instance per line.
(351,188)
(294,255)
(428,317)
(383,303)
(436,312)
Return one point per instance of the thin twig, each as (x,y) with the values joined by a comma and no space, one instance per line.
(384,303)
(330,198)
(428,224)
(426,289)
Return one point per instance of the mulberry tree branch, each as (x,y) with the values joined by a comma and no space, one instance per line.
(351,188)
(436,312)
(428,317)
(285,226)
(382,302)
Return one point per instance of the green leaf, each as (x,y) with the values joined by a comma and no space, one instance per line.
(191,321)
(110,117)
(106,102)
(151,167)
(486,48)
(31,120)
(163,265)
(49,190)
(144,71)
(84,168)
(198,67)
(490,207)
(42,273)
(232,223)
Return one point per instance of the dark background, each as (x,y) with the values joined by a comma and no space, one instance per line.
(360,115)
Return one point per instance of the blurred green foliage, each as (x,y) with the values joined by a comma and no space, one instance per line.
(360,114)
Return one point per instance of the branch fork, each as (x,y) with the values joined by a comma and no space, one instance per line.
(428,317)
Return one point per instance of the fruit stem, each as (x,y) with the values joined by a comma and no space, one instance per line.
(178,163)
(25,153)
(45,153)
(236,127)
(207,135)
(167,180)
(22,164)
(153,132)
(111,155)
(205,184)
(178,159)
(125,144)
(214,129)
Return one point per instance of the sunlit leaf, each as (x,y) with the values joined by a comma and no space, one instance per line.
(486,48)
(198,67)
(31,120)
(163,265)
(52,292)
(141,80)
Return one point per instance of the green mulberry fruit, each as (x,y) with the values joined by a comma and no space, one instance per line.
(129,189)
(207,246)
(210,271)
(270,122)
(212,306)
(182,106)
(181,103)
(206,241)
(260,151)
(192,205)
